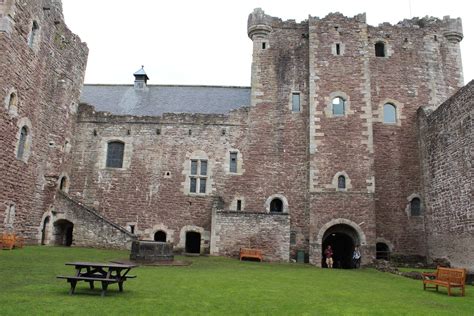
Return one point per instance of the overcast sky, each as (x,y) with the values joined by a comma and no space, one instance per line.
(205,42)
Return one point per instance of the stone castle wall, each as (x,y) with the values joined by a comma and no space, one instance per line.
(42,67)
(446,141)
(268,232)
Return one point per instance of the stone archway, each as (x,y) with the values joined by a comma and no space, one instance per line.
(63,233)
(346,234)
(193,242)
(160,236)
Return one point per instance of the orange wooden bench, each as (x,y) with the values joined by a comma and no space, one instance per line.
(446,277)
(10,241)
(251,253)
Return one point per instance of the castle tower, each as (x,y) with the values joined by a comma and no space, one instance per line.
(258,29)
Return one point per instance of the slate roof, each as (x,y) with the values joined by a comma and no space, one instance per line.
(158,99)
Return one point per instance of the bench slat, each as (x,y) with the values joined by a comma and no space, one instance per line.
(80,278)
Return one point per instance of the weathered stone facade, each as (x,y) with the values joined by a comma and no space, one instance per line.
(312,158)
(446,143)
(42,66)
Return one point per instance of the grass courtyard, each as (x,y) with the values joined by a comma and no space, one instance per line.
(213,285)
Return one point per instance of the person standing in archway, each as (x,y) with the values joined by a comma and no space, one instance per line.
(328,253)
(356,257)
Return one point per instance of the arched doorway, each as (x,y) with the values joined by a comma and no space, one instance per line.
(193,242)
(44,231)
(63,232)
(342,238)
(160,236)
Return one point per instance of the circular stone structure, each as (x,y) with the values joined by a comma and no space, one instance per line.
(151,251)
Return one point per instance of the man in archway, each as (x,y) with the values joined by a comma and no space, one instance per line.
(328,253)
(356,257)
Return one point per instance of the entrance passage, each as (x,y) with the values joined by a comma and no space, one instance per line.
(343,239)
(63,232)
(160,236)
(193,242)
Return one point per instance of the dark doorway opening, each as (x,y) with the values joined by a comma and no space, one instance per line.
(160,236)
(44,231)
(193,242)
(63,231)
(382,252)
(343,239)
(276,206)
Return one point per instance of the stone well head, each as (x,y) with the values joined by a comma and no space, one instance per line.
(151,251)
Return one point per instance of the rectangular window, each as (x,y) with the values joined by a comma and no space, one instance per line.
(295,104)
(194,167)
(239,205)
(203,167)
(338,49)
(233,162)
(202,185)
(192,187)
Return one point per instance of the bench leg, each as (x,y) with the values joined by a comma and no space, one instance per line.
(104,288)
(73,287)
(91,285)
(449,290)
(120,286)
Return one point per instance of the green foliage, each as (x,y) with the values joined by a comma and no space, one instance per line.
(213,285)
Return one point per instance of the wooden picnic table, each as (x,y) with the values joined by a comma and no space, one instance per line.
(106,273)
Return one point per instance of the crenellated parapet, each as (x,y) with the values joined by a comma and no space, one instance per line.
(453,32)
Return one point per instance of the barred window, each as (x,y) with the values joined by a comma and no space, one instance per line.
(115,152)
(198,176)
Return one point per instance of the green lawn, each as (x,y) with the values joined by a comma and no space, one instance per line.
(213,285)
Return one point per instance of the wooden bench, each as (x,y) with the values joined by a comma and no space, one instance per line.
(251,253)
(446,277)
(91,279)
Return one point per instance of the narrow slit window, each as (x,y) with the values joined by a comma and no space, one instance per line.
(22,142)
(338,49)
(33,34)
(239,205)
(341,182)
(295,102)
(233,162)
(264,45)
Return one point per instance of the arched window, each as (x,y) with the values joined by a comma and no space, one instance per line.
(12,101)
(341,182)
(276,206)
(338,106)
(389,113)
(160,236)
(115,154)
(33,34)
(22,142)
(415,207)
(380,49)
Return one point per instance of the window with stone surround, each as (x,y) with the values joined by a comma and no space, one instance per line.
(295,102)
(64,184)
(12,102)
(33,34)
(380,49)
(198,176)
(415,207)
(22,143)
(233,162)
(276,206)
(115,150)
(341,182)
(389,113)
(338,106)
